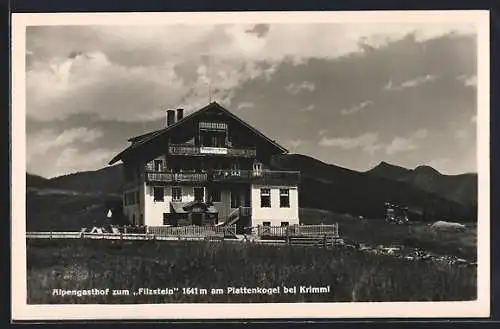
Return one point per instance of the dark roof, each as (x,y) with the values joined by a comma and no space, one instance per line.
(140,137)
(137,141)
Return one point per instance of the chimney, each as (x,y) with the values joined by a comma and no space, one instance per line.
(180,114)
(170,117)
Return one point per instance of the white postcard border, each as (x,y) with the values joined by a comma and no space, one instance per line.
(22,311)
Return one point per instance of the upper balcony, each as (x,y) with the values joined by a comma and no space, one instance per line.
(192,150)
(225,176)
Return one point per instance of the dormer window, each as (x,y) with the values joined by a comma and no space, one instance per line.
(213,134)
(257,168)
(235,169)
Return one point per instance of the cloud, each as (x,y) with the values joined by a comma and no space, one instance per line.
(132,73)
(367,142)
(370,142)
(71,159)
(410,83)
(440,164)
(260,30)
(295,88)
(82,134)
(461,134)
(92,84)
(49,153)
(308,108)
(355,108)
(245,105)
(295,143)
(468,81)
(322,132)
(400,144)
(405,144)
(420,133)
(44,140)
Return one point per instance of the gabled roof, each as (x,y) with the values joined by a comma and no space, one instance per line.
(143,139)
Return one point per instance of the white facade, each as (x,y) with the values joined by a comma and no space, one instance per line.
(275,215)
(145,210)
(154,210)
(150,212)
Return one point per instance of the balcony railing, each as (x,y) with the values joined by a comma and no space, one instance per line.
(179,149)
(167,177)
(227,176)
(264,176)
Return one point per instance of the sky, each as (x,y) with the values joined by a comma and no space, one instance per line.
(352,95)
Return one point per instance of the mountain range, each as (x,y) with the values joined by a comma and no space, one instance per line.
(459,188)
(429,194)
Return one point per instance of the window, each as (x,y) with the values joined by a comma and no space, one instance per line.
(215,194)
(235,169)
(130,198)
(176,193)
(137,197)
(199,194)
(266,223)
(284,224)
(235,199)
(284,198)
(265,198)
(158,193)
(158,165)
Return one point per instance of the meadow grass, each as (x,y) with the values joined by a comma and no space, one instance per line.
(351,275)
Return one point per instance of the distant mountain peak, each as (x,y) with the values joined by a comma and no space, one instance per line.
(387,170)
(425,169)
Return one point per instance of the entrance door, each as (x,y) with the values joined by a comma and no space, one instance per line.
(199,194)
(197,219)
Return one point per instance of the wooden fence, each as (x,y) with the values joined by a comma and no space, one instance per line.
(85,235)
(193,231)
(299,231)
(301,235)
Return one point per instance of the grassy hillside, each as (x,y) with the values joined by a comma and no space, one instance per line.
(106,180)
(62,210)
(417,235)
(35,180)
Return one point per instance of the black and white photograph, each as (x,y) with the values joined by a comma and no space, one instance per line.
(250,165)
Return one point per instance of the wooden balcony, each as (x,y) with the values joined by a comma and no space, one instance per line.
(192,150)
(225,176)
